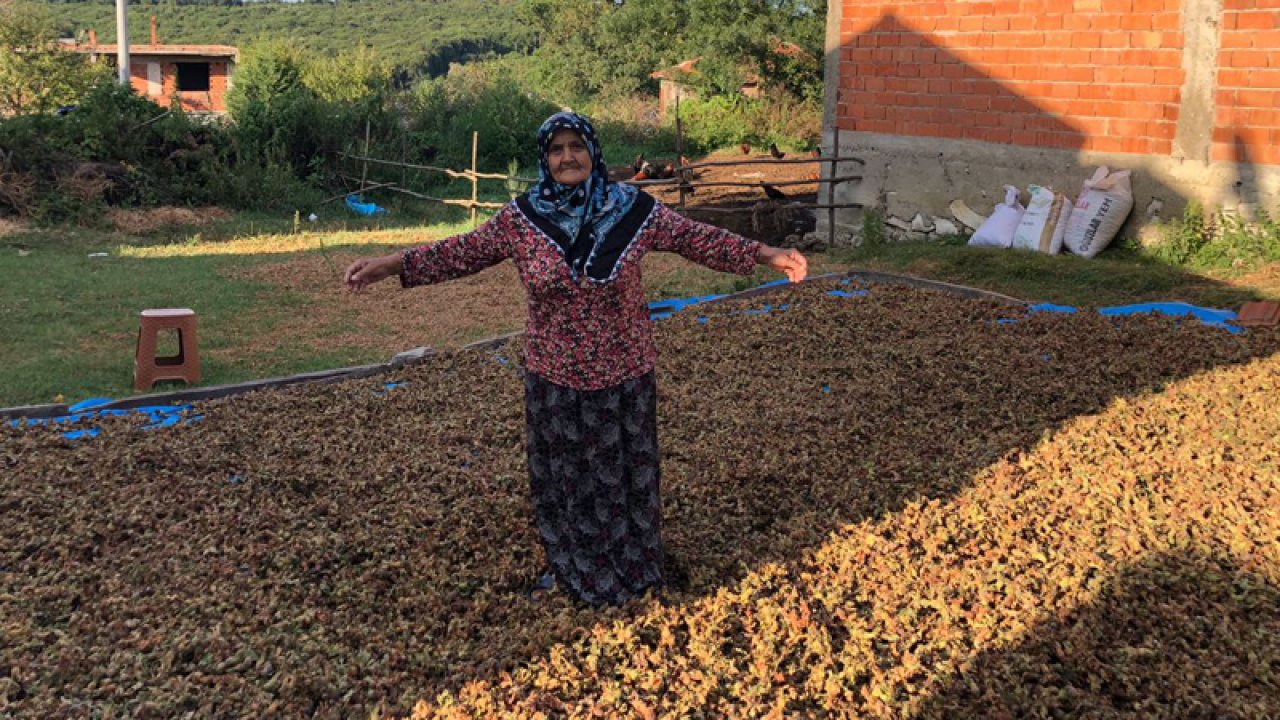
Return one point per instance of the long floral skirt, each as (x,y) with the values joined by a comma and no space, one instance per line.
(593,470)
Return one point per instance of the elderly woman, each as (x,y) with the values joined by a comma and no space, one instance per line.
(590,399)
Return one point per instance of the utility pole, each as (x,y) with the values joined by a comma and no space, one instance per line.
(122,41)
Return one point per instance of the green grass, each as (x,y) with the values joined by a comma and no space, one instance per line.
(69,321)
(1116,277)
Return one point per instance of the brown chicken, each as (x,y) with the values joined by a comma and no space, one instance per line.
(745,148)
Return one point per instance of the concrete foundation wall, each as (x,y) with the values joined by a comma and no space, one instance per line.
(904,176)
(954,101)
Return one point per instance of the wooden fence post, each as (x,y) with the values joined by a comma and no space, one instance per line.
(364,171)
(831,186)
(679,146)
(475,181)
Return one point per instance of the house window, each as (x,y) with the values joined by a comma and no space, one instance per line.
(193,77)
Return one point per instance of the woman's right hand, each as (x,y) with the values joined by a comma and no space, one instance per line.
(366,271)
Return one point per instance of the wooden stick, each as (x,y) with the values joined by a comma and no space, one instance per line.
(374,186)
(464,174)
(679,146)
(756,184)
(475,182)
(803,206)
(447,201)
(831,188)
(364,171)
(762,161)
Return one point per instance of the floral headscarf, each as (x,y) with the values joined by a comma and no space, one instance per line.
(595,205)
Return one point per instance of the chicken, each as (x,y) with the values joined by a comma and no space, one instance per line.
(637,163)
(686,175)
(775,152)
(775,194)
(745,148)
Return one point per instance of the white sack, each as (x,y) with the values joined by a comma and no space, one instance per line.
(1044,224)
(997,230)
(1103,204)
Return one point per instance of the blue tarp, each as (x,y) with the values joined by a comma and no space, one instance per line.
(160,415)
(363,208)
(1209,316)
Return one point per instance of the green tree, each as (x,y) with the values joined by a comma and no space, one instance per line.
(359,77)
(269,72)
(609,47)
(36,75)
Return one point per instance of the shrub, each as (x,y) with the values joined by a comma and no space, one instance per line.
(731,119)
(1221,239)
(37,76)
(443,113)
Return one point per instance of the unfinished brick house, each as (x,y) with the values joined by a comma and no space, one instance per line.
(193,77)
(952,100)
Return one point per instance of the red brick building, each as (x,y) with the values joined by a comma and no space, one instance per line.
(193,77)
(954,99)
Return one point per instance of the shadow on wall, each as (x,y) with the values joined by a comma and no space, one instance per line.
(900,92)
(1185,635)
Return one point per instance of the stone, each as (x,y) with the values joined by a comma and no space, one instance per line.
(1149,236)
(898,223)
(409,357)
(920,224)
(944,227)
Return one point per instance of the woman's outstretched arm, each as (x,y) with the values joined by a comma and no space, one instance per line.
(720,249)
(453,257)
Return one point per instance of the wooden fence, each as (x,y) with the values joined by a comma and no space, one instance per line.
(682,179)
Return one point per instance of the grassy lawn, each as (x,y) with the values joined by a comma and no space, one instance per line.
(269,303)
(1116,277)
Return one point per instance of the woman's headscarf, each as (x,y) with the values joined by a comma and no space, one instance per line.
(595,205)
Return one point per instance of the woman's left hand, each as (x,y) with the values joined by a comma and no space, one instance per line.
(788,261)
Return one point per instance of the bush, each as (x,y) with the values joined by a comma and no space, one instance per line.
(731,119)
(37,76)
(1222,240)
(443,113)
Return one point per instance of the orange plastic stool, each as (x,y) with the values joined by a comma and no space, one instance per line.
(185,366)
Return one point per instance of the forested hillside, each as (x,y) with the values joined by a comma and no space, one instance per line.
(419,36)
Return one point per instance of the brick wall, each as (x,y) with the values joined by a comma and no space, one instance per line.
(1103,75)
(1247,103)
(218,85)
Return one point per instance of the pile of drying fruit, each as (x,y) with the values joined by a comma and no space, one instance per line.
(897,504)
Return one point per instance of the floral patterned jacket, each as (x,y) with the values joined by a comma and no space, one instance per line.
(589,331)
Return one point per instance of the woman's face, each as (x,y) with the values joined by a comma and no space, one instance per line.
(568,158)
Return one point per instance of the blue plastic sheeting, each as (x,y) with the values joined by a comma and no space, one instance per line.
(160,415)
(660,309)
(388,387)
(1050,307)
(1209,316)
(363,208)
